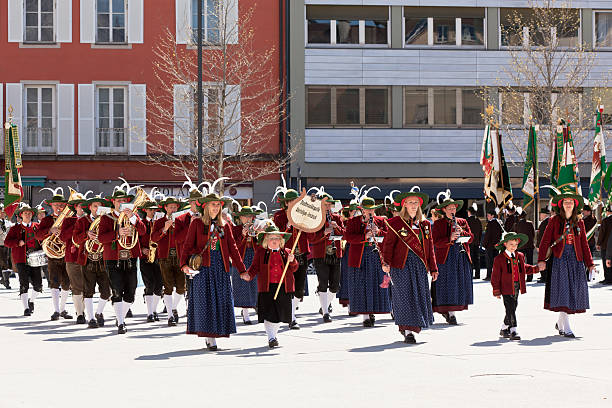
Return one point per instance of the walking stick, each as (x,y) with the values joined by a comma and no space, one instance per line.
(297,238)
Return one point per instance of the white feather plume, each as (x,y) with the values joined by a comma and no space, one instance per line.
(390,196)
(445,194)
(214,185)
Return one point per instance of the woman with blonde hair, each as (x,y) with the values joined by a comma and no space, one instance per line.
(210,311)
(408,252)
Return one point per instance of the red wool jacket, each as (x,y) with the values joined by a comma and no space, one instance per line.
(355,235)
(18,233)
(282,222)
(501,277)
(44,226)
(181,226)
(72,252)
(79,234)
(164,240)
(441,237)
(395,252)
(261,269)
(554,230)
(108,234)
(195,242)
(319,241)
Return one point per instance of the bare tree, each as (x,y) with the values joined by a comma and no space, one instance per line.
(544,79)
(244,104)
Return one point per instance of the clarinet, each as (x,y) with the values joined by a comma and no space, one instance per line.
(455,228)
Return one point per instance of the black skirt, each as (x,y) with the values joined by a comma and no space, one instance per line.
(274,311)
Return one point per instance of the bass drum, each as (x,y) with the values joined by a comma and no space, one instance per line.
(37,258)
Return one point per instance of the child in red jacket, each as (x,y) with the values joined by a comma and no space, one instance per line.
(508,278)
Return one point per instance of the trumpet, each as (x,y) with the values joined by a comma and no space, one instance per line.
(53,246)
(130,241)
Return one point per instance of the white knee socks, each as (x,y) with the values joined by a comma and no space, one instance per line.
(565,322)
(33,295)
(155,300)
(64,298)
(294,305)
(323,301)
(210,340)
(24,301)
(149,302)
(55,295)
(245,314)
(89,306)
(79,305)
(168,303)
(176,299)
(118,306)
(101,304)
(271,329)
(330,298)
(451,314)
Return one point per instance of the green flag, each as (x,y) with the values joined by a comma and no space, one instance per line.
(13,191)
(598,167)
(567,165)
(530,173)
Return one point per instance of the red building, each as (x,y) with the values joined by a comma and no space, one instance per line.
(77,75)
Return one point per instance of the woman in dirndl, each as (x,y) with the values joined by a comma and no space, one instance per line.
(452,291)
(245,293)
(408,252)
(268,266)
(210,310)
(565,239)
(343,293)
(366,296)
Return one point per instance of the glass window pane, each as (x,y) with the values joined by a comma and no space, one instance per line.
(319,32)
(347,106)
(347,32)
(103,94)
(32,5)
(118,6)
(46,5)
(32,139)
(118,95)
(511,27)
(47,137)
(31,111)
(118,110)
(375,32)
(540,108)
(46,34)
(212,36)
(103,35)
(416,112)
(46,19)
(32,94)
(118,20)
(118,138)
(444,31)
(445,106)
(513,108)
(416,31)
(103,123)
(31,34)
(31,19)
(472,107)
(47,110)
(118,123)
(103,20)
(47,123)
(47,94)
(103,110)
(103,6)
(376,106)
(472,31)
(603,29)
(103,136)
(319,106)
(32,120)
(119,35)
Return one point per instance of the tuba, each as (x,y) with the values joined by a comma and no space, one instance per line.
(53,246)
(130,241)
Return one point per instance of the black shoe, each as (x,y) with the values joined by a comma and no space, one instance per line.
(541,280)
(452,320)
(409,338)
(155,316)
(175,315)
(446,317)
(372,318)
(92,324)
(81,319)
(294,325)
(326,318)
(273,343)
(368,323)
(505,333)
(121,329)
(55,316)
(150,319)
(65,315)
(27,312)
(514,336)
(561,333)
(569,335)
(165,310)
(31,307)
(129,313)
(320,311)
(171,321)
(100,319)
(210,347)
(486,278)
(530,278)
(605,282)
(330,308)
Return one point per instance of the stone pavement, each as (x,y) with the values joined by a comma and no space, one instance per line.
(59,364)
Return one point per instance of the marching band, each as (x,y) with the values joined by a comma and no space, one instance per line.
(219,255)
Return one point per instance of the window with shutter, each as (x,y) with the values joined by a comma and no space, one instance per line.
(39,21)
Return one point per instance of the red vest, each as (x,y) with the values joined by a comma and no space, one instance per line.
(319,241)
(108,234)
(261,268)
(164,240)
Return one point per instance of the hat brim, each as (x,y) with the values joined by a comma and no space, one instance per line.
(399,199)
(56,201)
(100,200)
(370,207)
(205,200)
(522,237)
(130,196)
(578,198)
(262,235)
(22,210)
(247,214)
(450,202)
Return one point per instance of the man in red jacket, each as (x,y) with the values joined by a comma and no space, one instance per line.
(21,239)
(58,276)
(120,262)
(150,272)
(508,278)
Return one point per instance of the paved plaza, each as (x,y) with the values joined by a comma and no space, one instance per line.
(340,364)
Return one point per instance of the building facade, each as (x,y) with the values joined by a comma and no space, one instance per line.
(385,92)
(76,76)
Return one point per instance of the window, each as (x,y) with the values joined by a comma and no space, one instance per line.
(110,20)
(444,26)
(111,120)
(211,10)
(348,25)
(442,107)
(39,21)
(519,108)
(523,27)
(603,29)
(348,106)
(40,119)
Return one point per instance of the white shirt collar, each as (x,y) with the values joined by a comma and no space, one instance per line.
(510,254)
(26,225)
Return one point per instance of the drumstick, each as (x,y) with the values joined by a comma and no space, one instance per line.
(297,238)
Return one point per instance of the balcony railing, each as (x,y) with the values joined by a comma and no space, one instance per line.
(40,140)
(111,140)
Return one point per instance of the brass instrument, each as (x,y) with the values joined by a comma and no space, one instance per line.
(456,227)
(130,241)
(53,246)
(93,246)
(152,251)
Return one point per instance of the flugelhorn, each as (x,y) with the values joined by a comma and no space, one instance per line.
(53,246)
(93,246)
(129,241)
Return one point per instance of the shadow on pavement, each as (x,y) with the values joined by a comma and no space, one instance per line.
(172,354)
(383,347)
(263,351)
(596,314)
(490,343)
(545,341)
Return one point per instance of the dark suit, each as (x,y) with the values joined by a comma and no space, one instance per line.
(539,235)
(491,238)
(476,228)
(602,240)
(522,226)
